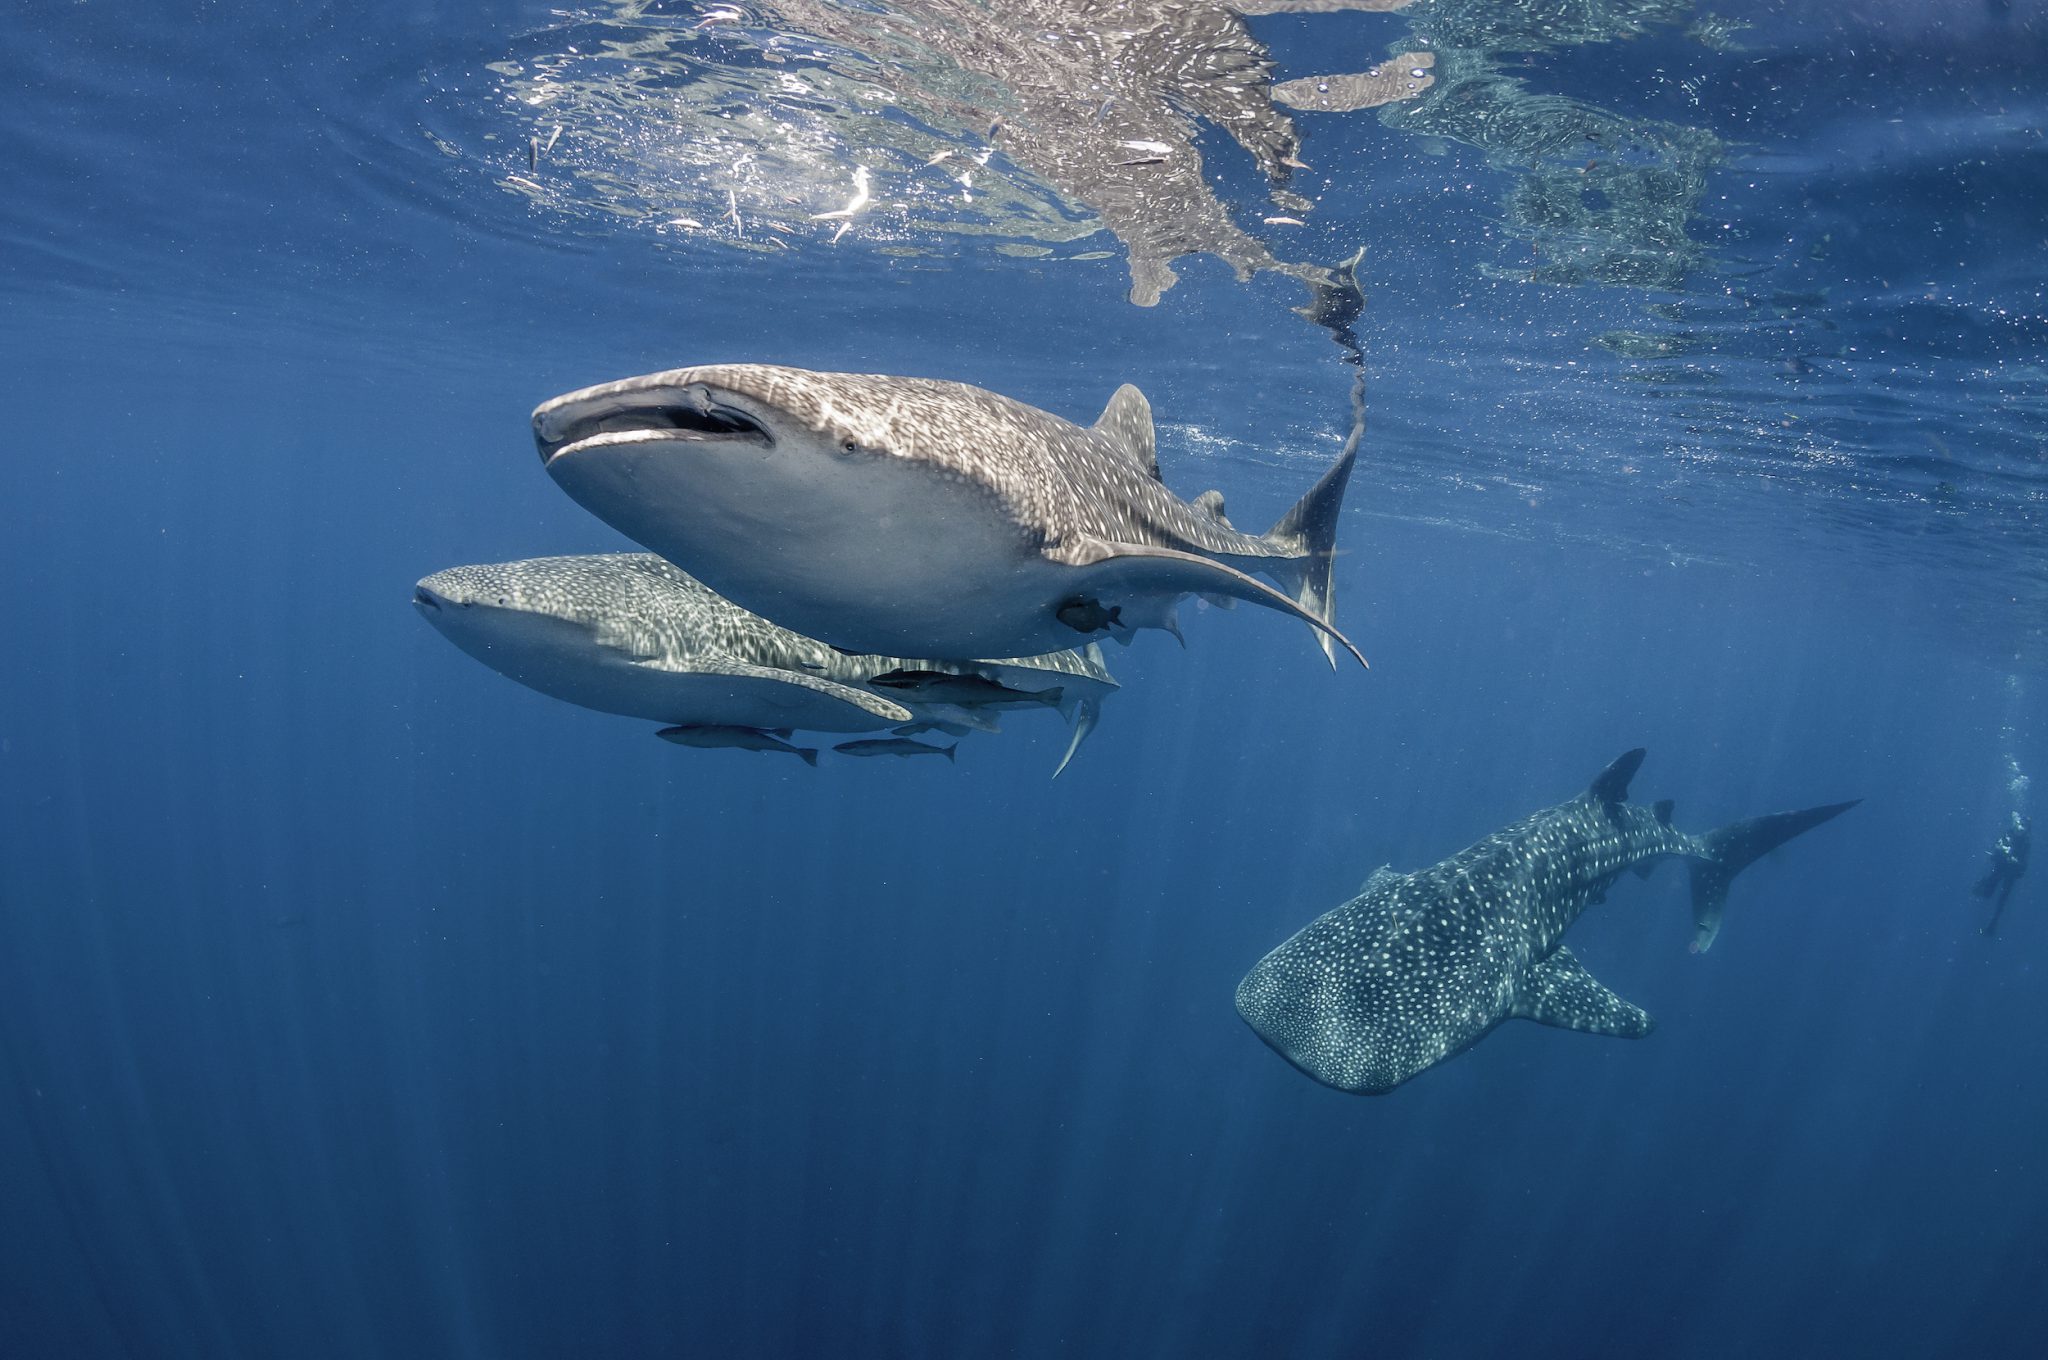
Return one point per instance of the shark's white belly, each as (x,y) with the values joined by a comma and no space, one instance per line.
(866,552)
(609,682)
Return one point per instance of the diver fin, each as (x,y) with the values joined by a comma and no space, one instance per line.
(868,702)
(1610,786)
(1085,714)
(1560,992)
(1734,848)
(1127,423)
(1201,573)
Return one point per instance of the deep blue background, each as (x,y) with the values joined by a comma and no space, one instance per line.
(354,1001)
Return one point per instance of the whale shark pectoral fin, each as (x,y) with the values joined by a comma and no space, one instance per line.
(886,709)
(1147,569)
(1560,992)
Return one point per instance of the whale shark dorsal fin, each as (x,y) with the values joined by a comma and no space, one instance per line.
(1611,784)
(1560,992)
(886,709)
(1379,880)
(1663,809)
(1127,423)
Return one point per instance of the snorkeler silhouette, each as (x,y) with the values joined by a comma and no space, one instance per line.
(2008,863)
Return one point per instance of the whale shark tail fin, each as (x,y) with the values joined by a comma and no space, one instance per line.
(1308,534)
(1734,848)
(1084,715)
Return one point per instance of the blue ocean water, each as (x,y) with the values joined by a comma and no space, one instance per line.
(355,1001)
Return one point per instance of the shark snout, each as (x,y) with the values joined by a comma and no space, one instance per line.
(448,592)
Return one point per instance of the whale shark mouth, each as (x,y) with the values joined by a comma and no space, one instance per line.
(685,416)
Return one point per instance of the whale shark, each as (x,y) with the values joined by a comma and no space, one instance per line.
(1420,966)
(631,634)
(918,517)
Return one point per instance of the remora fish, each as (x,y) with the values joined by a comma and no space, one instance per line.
(965,691)
(631,634)
(891,746)
(742,738)
(920,517)
(1419,967)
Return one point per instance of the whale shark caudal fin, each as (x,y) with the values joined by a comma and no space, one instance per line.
(1734,848)
(1559,991)
(1310,530)
(1084,715)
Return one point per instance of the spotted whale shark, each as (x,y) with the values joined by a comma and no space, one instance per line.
(923,518)
(631,634)
(1420,966)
